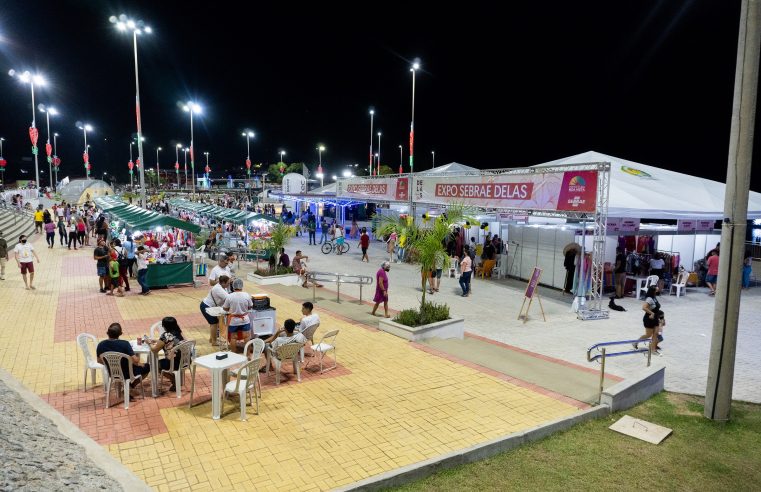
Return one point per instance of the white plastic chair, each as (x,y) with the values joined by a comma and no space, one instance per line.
(327,344)
(308,333)
(91,364)
(155,331)
(257,349)
(184,350)
(283,353)
(496,272)
(651,280)
(114,362)
(453,267)
(680,285)
(243,386)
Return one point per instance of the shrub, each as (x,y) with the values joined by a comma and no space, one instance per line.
(264,272)
(428,313)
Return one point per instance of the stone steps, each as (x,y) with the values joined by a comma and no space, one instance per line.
(13,224)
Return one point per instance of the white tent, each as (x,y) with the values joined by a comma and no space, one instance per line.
(642,191)
(451,168)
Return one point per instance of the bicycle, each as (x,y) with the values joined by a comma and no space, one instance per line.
(331,246)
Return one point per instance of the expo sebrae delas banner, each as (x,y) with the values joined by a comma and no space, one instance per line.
(574,191)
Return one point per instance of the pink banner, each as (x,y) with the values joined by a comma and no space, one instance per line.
(533,282)
(382,189)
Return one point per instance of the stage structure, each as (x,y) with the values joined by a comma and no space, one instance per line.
(577,192)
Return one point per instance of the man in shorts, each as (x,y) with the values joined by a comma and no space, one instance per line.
(25,256)
(101,255)
(38,216)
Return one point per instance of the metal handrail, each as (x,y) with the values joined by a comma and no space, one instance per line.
(338,279)
(603,354)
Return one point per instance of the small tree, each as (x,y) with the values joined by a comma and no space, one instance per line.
(280,234)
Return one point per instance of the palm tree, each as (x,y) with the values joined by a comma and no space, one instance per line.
(280,234)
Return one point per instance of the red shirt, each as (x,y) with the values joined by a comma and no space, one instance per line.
(713,265)
(364,241)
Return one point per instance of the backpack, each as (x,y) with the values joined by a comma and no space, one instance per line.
(123,261)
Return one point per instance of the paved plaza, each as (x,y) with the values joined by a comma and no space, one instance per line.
(492,310)
(389,404)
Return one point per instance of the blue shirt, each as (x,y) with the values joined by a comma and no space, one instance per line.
(116,345)
(129,249)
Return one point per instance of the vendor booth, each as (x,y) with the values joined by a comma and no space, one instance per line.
(170,241)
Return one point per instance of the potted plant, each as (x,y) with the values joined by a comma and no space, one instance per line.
(427,243)
(280,234)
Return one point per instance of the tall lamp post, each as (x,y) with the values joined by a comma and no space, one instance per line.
(185,151)
(158,149)
(191,107)
(124,24)
(414,69)
(401,158)
(130,165)
(433,159)
(56,160)
(372,114)
(28,78)
(378,154)
(320,173)
(86,155)
(177,163)
(208,169)
(249,135)
(48,147)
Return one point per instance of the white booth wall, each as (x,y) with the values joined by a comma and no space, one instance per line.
(691,247)
(541,246)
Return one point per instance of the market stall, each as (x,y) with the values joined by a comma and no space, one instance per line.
(169,241)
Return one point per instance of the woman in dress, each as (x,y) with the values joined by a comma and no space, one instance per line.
(381,288)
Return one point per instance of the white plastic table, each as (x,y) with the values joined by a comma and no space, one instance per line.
(217,367)
(640,281)
(153,360)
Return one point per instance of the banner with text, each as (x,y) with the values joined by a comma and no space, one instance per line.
(382,189)
(574,191)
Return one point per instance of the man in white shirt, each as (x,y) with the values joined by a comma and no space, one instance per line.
(238,305)
(285,335)
(309,318)
(222,268)
(25,256)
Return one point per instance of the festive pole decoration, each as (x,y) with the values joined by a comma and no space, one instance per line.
(3,163)
(33,135)
(49,152)
(282,168)
(137,162)
(207,169)
(130,165)
(56,162)
(177,167)
(86,157)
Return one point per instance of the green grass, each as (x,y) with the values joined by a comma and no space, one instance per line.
(699,455)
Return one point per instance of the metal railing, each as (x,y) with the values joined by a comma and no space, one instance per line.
(338,279)
(601,347)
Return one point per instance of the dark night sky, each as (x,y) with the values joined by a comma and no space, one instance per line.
(502,85)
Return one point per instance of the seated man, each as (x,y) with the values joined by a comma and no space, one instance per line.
(285,335)
(284,260)
(309,318)
(113,344)
(300,267)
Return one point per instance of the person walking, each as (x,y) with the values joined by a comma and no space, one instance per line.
(381,288)
(323,231)
(49,227)
(142,270)
(339,234)
(652,319)
(38,217)
(364,243)
(81,232)
(3,255)
(747,268)
(713,271)
(25,255)
(61,228)
(620,272)
(129,250)
(312,228)
(72,228)
(121,258)
(391,245)
(101,256)
(113,273)
(466,270)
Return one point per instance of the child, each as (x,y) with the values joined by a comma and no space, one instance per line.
(113,272)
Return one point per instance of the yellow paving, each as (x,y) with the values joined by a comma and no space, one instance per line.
(392,405)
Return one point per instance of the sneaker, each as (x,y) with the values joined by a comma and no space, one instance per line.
(636,346)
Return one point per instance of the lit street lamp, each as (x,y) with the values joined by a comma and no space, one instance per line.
(158,149)
(320,172)
(208,169)
(185,151)
(28,78)
(378,154)
(414,69)
(191,107)
(48,147)
(86,156)
(372,114)
(433,159)
(123,23)
(401,158)
(249,135)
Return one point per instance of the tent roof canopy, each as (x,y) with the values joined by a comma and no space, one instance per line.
(451,168)
(138,218)
(223,213)
(643,191)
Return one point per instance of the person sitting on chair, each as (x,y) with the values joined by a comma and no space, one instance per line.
(309,318)
(285,335)
(171,337)
(113,344)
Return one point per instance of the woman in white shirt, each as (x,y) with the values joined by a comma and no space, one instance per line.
(216,298)
(238,305)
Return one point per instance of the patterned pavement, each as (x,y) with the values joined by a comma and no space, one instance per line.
(388,405)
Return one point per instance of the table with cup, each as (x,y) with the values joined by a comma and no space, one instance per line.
(141,347)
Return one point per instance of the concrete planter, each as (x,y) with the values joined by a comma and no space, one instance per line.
(287,279)
(450,328)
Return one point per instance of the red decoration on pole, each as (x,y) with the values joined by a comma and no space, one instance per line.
(57,161)
(177,167)
(401,171)
(49,149)
(192,158)
(282,168)
(248,163)
(319,168)
(88,168)
(130,165)
(33,134)
(207,169)
(137,162)
(3,163)
(86,157)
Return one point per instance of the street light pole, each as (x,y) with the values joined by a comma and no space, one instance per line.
(401,157)
(185,151)
(378,154)
(415,67)
(158,149)
(191,108)
(372,114)
(47,112)
(433,159)
(55,157)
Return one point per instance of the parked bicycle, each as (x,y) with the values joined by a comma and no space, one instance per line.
(331,246)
